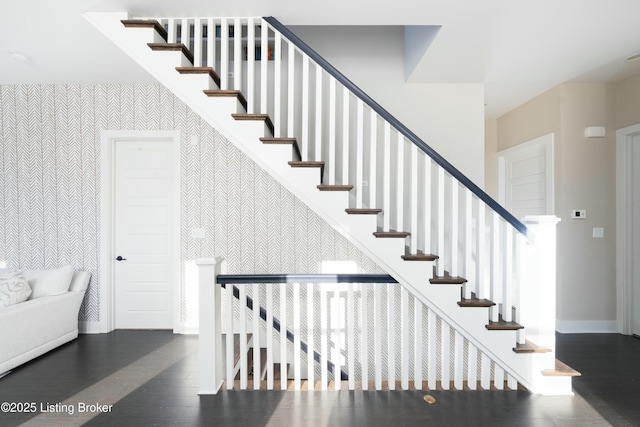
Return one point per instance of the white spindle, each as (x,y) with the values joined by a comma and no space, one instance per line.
(472,369)
(305,148)
(496,259)
(404,351)
(480,252)
(507,295)
(387,177)
(264,62)
(332,131)
(445,358)
(324,346)
(413,200)
(224,54)
(256,337)
(359,151)
(184,32)
(485,372)
(251,66)
(197,42)
(498,378)
(364,327)
(400,183)
(512,383)
(211,43)
(336,319)
(311,327)
(432,353)
(459,361)
(468,247)
(229,344)
(242,323)
(351,326)
(426,219)
(270,337)
(283,337)
(419,347)
(391,335)
(345,135)
(172,31)
(377,336)
(277,86)
(318,125)
(373,148)
(291,62)
(237,54)
(297,356)
(441,222)
(454,228)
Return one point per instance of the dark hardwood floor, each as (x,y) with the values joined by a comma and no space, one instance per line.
(140,378)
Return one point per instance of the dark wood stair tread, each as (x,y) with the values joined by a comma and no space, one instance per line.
(227,94)
(391,234)
(200,70)
(363,211)
(502,325)
(306,164)
(447,279)
(273,140)
(258,117)
(419,256)
(145,23)
(561,370)
(172,47)
(475,302)
(335,187)
(529,347)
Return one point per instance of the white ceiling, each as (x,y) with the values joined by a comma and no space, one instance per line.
(517,48)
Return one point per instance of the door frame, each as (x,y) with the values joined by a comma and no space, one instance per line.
(109,138)
(548,142)
(624,244)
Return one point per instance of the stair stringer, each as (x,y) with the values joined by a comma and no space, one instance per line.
(358,229)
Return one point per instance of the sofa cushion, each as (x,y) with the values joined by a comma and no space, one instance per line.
(14,289)
(49,282)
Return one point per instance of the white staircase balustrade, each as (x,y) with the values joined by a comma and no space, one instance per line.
(361,145)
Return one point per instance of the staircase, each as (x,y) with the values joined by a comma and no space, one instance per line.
(437,233)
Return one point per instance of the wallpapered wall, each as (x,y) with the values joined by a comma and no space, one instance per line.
(50,187)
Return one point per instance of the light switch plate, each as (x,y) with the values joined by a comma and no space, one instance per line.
(579,214)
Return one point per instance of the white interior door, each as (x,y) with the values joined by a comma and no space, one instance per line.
(145,194)
(635,234)
(526,178)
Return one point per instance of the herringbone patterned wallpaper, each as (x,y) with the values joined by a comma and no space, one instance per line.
(50,175)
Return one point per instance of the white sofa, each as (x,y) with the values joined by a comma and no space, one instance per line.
(31,328)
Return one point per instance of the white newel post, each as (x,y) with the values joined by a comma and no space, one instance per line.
(210,337)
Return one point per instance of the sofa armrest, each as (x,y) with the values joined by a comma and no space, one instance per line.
(79,281)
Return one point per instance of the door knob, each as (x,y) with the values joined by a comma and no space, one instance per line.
(119,258)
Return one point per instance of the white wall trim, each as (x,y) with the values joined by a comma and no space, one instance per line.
(624,253)
(586,326)
(89,327)
(107,221)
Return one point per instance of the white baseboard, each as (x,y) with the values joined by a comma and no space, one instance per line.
(587,326)
(90,327)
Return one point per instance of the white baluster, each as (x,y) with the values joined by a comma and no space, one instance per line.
(454,228)
(242,310)
(432,352)
(498,379)
(404,351)
(485,372)
(445,358)
(172,31)
(427,204)
(277,87)
(318,125)
(224,54)
(291,107)
(184,33)
(364,349)
(256,337)
(297,356)
(387,177)
(311,327)
(324,346)
(345,135)
(264,62)
(305,148)
(468,247)
(472,369)
(480,254)
(377,336)
(229,344)
(211,43)
(400,184)
(283,337)
(197,42)
(336,319)
(391,335)
(351,326)
(441,223)
(419,346)
(373,145)
(508,280)
(496,286)
(251,66)
(512,383)
(237,54)
(413,200)
(270,338)
(359,151)
(459,361)
(332,131)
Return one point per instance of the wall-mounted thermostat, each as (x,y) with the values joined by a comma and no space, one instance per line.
(579,214)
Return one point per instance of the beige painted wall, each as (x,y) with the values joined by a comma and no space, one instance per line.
(628,102)
(491,157)
(584,179)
